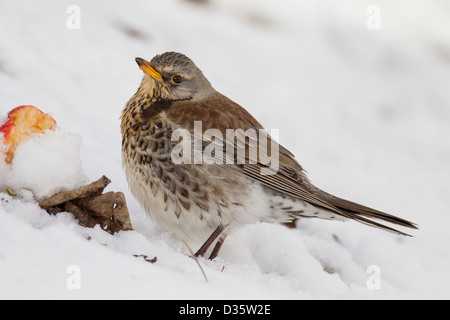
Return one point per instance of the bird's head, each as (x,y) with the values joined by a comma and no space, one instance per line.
(173,76)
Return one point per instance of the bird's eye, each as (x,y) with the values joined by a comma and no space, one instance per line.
(176,79)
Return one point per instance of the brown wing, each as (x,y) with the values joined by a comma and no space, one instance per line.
(222,113)
(289,179)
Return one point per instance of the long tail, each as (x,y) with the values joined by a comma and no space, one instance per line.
(364,214)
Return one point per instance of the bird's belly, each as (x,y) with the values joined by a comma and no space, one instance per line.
(191,201)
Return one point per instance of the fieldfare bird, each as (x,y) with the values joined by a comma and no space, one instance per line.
(201,165)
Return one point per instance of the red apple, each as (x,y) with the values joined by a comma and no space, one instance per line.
(21,123)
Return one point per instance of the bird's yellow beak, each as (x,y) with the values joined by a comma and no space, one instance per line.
(144,65)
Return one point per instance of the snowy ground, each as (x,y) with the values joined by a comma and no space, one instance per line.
(366,112)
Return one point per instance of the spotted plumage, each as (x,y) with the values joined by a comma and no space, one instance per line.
(197,199)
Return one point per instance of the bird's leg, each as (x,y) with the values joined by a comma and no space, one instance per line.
(210,241)
(217,247)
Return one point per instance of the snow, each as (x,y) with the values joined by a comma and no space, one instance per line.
(44,165)
(366,112)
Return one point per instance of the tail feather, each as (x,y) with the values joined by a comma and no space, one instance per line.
(364,214)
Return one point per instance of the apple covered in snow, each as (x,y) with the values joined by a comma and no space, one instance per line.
(35,165)
(22,122)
